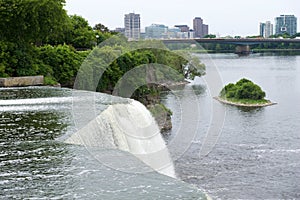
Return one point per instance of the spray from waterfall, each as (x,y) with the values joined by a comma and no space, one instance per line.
(129,127)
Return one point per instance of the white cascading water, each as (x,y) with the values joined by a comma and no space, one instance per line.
(129,127)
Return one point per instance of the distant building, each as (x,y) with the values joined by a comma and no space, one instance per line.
(205,30)
(191,34)
(132,24)
(183,35)
(200,29)
(262,29)
(174,32)
(183,28)
(120,30)
(156,31)
(266,29)
(286,24)
(142,35)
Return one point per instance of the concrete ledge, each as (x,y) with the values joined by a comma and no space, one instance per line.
(21,81)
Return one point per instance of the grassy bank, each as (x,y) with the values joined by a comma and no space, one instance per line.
(245,102)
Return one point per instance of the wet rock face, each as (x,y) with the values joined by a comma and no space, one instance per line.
(21,81)
(162,116)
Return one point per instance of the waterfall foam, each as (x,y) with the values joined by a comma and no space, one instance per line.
(129,127)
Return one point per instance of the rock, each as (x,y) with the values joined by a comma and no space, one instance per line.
(162,116)
(21,81)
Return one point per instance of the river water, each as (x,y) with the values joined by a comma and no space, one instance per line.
(256,154)
(36,164)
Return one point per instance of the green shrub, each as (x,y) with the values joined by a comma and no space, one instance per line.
(18,59)
(49,81)
(61,62)
(243,89)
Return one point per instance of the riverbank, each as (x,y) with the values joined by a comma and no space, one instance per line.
(285,51)
(275,50)
(159,111)
(254,105)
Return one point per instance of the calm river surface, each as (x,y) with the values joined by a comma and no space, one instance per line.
(257,155)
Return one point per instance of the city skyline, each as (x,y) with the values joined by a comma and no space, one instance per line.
(231,17)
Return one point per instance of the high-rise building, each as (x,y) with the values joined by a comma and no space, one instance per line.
(262,29)
(156,31)
(286,24)
(132,24)
(204,30)
(200,29)
(266,29)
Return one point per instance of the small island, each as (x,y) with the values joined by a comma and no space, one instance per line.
(244,93)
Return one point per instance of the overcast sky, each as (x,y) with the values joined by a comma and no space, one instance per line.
(224,17)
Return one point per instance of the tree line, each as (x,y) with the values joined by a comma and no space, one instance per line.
(38,37)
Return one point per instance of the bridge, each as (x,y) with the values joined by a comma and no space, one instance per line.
(243,44)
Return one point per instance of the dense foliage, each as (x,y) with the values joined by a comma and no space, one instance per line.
(31,21)
(138,68)
(39,38)
(243,89)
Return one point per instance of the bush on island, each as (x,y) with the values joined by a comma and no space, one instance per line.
(243,89)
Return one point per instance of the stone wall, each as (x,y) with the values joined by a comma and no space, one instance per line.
(21,81)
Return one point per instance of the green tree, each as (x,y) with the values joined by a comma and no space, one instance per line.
(100,27)
(249,90)
(210,36)
(243,89)
(31,21)
(229,91)
(80,35)
(61,62)
(296,35)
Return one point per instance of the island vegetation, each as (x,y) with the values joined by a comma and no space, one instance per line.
(243,93)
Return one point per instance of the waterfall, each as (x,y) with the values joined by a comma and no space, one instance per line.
(129,127)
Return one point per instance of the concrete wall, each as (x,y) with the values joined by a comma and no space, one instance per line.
(21,81)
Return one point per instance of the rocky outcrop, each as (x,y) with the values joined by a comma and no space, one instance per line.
(21,81)
(162,116)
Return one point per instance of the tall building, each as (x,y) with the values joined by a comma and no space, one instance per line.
(266,29)
(200,29)
(156,31)
(262,29)
(204,30)
(286,24)
(132,24)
